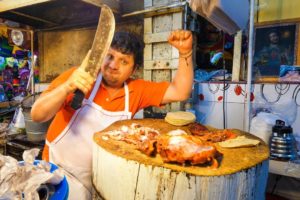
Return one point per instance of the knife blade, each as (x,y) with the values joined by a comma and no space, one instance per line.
(101,43)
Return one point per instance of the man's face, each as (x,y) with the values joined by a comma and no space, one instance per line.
(117,67)
(273,38)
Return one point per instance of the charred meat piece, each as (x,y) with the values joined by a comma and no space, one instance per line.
(197,129)
(131,139)
(148,147)
(217,135)
(146,142)
(210,135)
(186,148)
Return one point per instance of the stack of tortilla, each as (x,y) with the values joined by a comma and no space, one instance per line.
(180,118)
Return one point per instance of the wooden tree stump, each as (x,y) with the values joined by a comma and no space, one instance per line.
(122,172)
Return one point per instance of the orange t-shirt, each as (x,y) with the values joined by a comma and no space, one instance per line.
(141,95)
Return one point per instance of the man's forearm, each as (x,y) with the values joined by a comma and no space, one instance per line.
(47,105)
(181,86)
(183,80)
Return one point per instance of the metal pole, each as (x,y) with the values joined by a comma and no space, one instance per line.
(33,60)
(185,17)
(247,114)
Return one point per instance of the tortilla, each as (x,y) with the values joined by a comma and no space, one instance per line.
(180,118)
(240,141)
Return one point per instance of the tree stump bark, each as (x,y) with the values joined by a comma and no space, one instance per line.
(122,172)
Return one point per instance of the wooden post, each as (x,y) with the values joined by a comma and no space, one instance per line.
(237,56)
(160,59)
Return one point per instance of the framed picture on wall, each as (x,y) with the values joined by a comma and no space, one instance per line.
(274,46)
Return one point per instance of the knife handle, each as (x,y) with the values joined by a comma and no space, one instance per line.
(77,99)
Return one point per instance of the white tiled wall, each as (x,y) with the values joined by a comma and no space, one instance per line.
(209,102)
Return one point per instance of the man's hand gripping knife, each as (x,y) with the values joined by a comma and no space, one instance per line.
(80,79)
(48,104)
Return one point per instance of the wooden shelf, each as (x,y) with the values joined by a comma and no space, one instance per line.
(4,104)
(284,168)
(245,82)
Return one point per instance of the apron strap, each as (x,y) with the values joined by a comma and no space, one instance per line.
(126,97)
(95,89)
(96,86)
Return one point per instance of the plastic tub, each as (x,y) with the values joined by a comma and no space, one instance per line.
(62,189)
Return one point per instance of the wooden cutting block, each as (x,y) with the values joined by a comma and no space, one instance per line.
(120,171)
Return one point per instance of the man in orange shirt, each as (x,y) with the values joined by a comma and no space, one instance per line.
(111,97)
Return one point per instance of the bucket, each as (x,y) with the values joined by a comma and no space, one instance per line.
(35,131)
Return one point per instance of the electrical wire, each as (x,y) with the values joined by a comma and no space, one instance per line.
(226,86)
(224,83)
(282,90)
(211,90)
(295,94)
(264,97)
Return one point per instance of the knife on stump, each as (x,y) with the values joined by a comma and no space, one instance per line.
(102,40)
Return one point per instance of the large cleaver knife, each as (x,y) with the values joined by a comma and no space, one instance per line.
(102,40)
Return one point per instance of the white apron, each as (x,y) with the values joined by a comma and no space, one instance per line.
(72,149)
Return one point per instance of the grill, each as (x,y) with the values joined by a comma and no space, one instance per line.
(15,147)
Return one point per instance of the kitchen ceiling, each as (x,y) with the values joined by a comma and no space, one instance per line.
(63,14)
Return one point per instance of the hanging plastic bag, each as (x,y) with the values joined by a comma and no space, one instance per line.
(17,125)
(286,108)
(19,121)
(261,125)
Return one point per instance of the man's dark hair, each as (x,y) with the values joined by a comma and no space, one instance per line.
(129,43)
